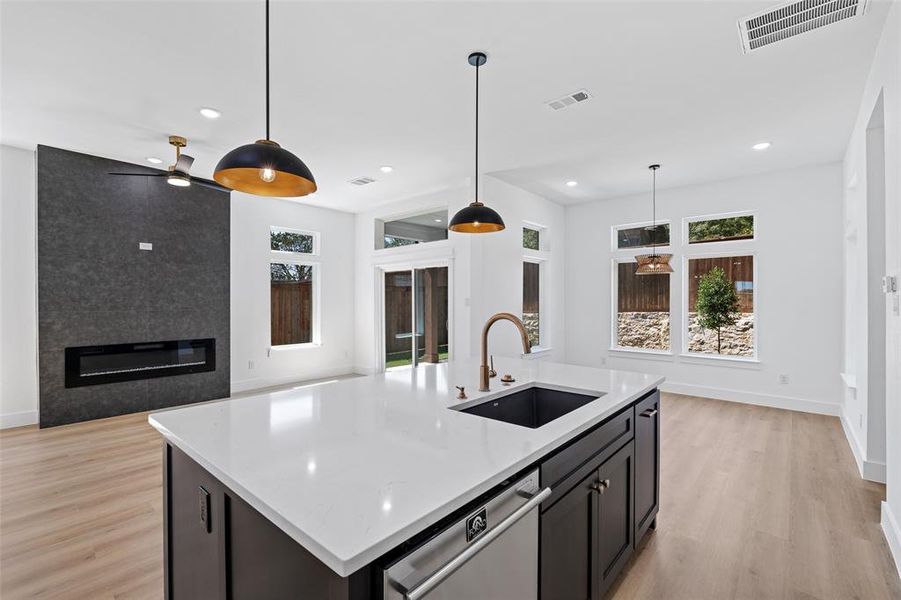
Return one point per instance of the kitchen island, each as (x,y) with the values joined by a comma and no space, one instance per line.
(320,487)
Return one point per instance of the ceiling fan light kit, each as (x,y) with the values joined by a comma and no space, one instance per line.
(476,218)
(653,263)
(264,168)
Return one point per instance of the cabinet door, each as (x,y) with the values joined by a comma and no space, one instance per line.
(647,463)
(616,510)
(193,530)
(569,545)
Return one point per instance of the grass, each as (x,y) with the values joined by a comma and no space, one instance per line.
(400,359)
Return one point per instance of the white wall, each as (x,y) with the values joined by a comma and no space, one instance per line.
(884,79)
(798,216)
(251,218)
(18,273)
(485,270)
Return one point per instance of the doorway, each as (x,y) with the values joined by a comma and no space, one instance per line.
(416,317)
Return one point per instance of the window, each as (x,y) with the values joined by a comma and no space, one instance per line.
(703,231)
(407,231)
(642,236)
(642,309)
(292,287)
(286,240)
(531,301)
(721,306)
(531,238)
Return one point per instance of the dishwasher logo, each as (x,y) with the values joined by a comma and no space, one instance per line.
(476,524)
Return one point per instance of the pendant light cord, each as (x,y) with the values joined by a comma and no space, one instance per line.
(478,64)
(267,70)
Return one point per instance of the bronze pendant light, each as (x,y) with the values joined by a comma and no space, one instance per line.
(264,168)
(653,263)
(476,218)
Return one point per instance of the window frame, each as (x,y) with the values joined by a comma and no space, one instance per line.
(614,306)
(541,256)
(310,259)
(379,221)
(686,243)
(542,236)
(614,238)
(723,253)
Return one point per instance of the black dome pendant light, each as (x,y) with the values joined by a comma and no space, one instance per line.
(264,168)
(477,218)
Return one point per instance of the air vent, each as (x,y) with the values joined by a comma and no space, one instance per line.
(788,20)
(569,100)
(362,181)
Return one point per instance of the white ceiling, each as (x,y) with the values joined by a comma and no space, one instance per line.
(360,85)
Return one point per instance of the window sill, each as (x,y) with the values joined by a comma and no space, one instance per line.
(288,347)
(724,360)
(641,353)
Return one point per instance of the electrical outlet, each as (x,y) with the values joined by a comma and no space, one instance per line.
(783,379)
(250,365)
(145,246)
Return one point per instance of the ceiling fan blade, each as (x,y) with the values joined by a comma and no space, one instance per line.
(209,184)
(183,164)
(140,174)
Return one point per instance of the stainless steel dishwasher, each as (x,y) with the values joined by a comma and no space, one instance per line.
(490,554)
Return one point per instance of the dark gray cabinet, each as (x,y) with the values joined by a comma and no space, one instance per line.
(569,543)
(647,464)
(616,515)
(598,512)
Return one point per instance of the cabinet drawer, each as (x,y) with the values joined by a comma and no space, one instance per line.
(599,443)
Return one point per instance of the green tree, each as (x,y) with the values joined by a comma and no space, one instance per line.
(730,228)
(717,303)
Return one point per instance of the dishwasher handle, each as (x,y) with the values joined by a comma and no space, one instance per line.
(461,559)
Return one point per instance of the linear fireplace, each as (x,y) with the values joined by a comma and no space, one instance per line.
(92,365)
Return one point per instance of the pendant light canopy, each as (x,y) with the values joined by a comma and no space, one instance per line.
(477,218)
(264,168)
(653,263)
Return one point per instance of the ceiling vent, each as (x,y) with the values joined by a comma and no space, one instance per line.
(788,20)
(362,181)
(569,100)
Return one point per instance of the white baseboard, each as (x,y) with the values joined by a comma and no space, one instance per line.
(773,401)
(869,470)
(360,370)
(18,419)
(248,385)
(892,534)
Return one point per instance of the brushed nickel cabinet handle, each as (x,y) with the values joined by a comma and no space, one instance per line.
(601,486)
(649,413)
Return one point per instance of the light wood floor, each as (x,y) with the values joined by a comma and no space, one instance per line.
(756,503)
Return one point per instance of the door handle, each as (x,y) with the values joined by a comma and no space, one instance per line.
(649,413)
(477,546)
(601,486)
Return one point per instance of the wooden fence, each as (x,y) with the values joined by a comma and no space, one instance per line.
(291,305)
(530,287)
(650,293)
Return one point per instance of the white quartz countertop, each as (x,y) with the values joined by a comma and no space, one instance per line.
(352,468)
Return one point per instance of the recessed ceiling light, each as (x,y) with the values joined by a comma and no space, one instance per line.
(154,160)
(386,169)
(761,146)
(572,183)
(437,220)
(210,113)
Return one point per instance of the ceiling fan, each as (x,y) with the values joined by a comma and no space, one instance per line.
(178,173)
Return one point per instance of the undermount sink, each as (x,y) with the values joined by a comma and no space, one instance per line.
(532,407)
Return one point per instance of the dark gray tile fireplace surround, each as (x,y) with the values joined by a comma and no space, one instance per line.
(95,286)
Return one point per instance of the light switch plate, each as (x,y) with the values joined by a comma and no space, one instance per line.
(145,246)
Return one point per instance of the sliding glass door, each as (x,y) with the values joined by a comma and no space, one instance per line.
(416,317)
